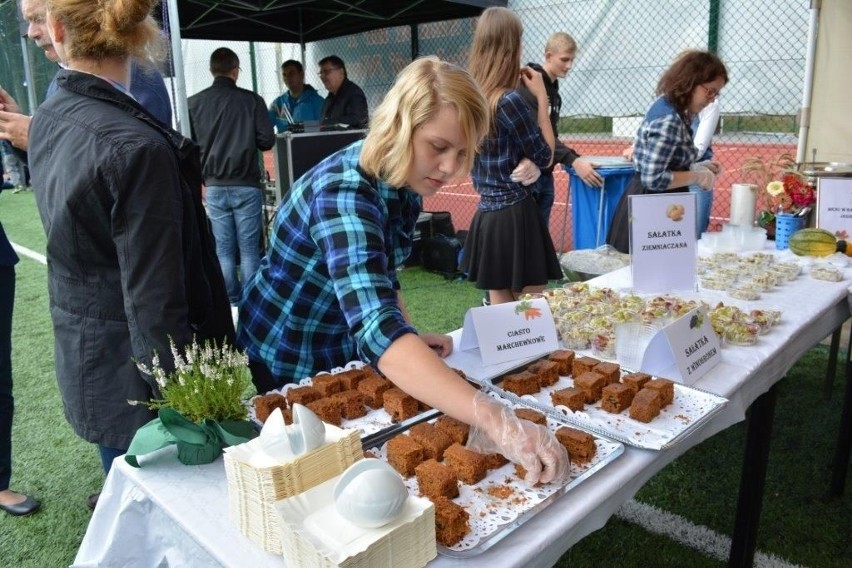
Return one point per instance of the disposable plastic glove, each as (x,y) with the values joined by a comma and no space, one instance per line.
(714,167)
(526,172)
(533,447)
(704,178)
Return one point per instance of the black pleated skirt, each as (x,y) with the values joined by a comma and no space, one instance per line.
(510,249)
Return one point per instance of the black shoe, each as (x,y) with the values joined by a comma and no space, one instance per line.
(92,500)
(26,507)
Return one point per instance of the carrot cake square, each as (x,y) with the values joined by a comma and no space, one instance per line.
(436,480)
(616,397)
(592,383)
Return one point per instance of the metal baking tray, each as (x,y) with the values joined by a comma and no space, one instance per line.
(376,422)
(690,411)
(493,517)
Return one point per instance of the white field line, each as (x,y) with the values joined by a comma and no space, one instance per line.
(30,253)
(680,530)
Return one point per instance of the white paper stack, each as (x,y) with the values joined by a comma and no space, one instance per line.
(313,534)
(253,491)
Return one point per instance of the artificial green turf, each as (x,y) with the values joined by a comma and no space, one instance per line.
(797,526)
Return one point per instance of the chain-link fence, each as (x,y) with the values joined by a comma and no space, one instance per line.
(623,48)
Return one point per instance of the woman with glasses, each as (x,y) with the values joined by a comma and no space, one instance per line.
(664,153)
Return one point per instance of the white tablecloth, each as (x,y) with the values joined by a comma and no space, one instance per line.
(170,514)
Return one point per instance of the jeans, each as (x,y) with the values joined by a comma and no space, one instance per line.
(108,456)
(7,403)
(703,204)
(236,216)
(544,194)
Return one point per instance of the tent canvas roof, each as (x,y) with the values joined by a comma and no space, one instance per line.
(304,21)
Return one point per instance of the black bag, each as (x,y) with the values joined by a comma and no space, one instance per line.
(441,255)
(442,223)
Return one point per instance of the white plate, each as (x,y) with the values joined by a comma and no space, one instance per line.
(314,533)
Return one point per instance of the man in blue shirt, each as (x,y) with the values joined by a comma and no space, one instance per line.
(301,101)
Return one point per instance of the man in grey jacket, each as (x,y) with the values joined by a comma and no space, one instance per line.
(230,125)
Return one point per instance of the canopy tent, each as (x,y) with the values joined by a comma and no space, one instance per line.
(304,21)
(297,21)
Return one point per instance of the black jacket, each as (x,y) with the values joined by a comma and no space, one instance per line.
(130,257)
(348,106)
(230,124)
(562,154)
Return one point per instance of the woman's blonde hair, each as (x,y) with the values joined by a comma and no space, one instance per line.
(495,56)
(416,97)
(109,28)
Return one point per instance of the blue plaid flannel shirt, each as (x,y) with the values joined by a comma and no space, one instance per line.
(326,291)
(663,145)
(517,135)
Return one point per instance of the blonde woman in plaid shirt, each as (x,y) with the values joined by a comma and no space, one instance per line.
(327,290)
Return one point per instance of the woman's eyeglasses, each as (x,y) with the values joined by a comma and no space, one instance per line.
(711,92)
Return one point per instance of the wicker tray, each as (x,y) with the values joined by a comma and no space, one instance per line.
(313,534)
(253,491)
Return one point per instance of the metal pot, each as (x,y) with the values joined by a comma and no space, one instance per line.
(815,170)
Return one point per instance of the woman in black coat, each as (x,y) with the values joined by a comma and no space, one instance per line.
(130,261)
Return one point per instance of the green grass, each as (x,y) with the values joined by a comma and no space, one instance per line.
(798,524)
(731,124)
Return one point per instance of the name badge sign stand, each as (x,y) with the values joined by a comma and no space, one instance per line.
(834,205)
(662,242)
(506,332)
(684,350)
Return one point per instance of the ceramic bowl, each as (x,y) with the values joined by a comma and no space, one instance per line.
(370,493)
(307,432)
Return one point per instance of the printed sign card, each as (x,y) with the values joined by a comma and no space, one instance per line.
(684,350)
(506,332)
(662,242)
(834,206)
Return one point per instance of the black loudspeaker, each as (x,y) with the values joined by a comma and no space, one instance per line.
(442,223)
(441,254)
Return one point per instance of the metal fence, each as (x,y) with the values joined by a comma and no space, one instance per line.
(624,46)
